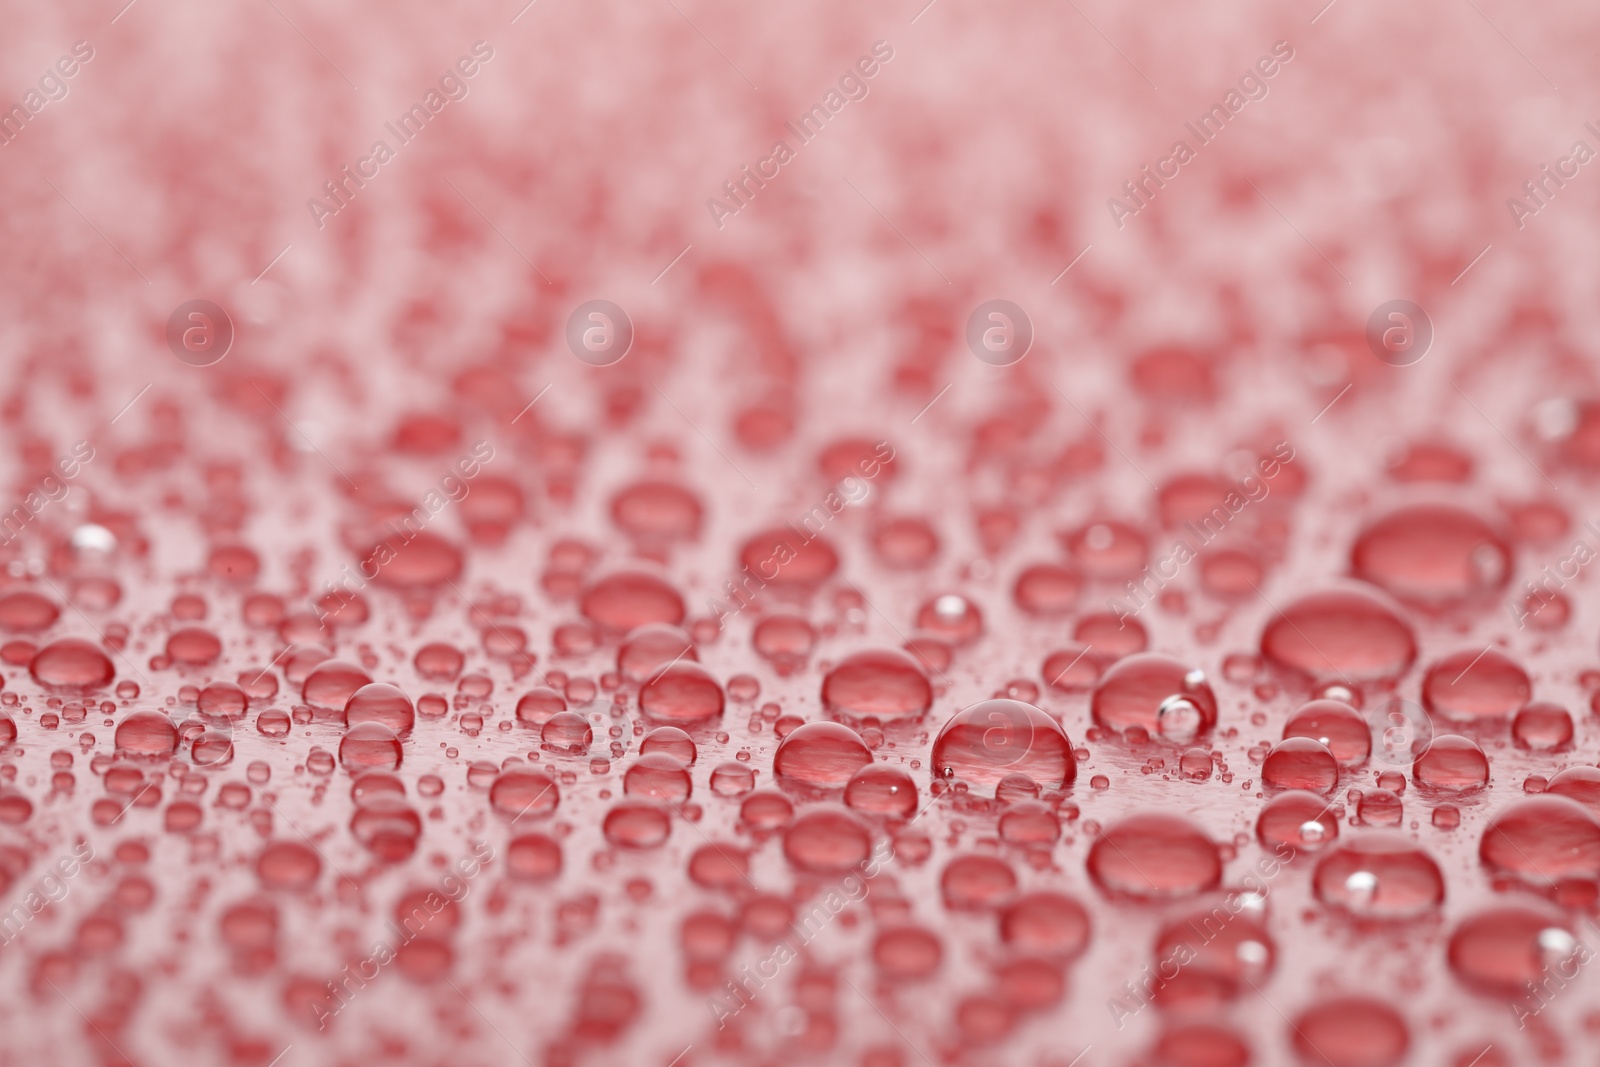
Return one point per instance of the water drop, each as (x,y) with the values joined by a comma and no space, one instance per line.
(1343,633)
(1379,875)
(1300,763)
(1432,555)
(1152,857)
(1543,840)
(522,794)
(1158,694)
(826,841)
(381,703)
(1475,685)
(1451,762)
(884,684)
(681,693)
(71,664)
(995,738)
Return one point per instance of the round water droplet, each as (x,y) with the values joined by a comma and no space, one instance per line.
(1350,1032)
(1475,685)
(905,542)
(977,882)
(387,827)
(538,705)
(682,693)
(566,733)
(420,561)
(148,734)
(27,611)
(1379,875)
(1507,948)
(784,639)
(1157,694)
(1543,840)
(670,741)
(1451,762)
(882,790)
(213,748)
(1028,822)
(885,684)
(1542,727)
(1578,783)
(657,511)
(827,841)
(766,811)
(1195,765)
(1152,857)
(438,662)
(787,560)
(381,703)
(1432,555)
(193,646)
(637,824)
(659,776)
(524,794)
(369,745)
(533,858)
(1189,1043)
(649,648)
(1300,763)
(1047,590)
(1108,549)
(907,952)
(626,600)
(223,700)
(820,755)
(1338,634)
(732,779)
(1301,820)
(288,865)
(71,665)
(1335,724)
(1223,946)
(995,738)
(332,683)
(1046,923)
(951,617)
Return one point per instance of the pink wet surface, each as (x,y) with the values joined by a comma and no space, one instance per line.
(409,351)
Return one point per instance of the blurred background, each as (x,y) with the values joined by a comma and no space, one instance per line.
(1353,237)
